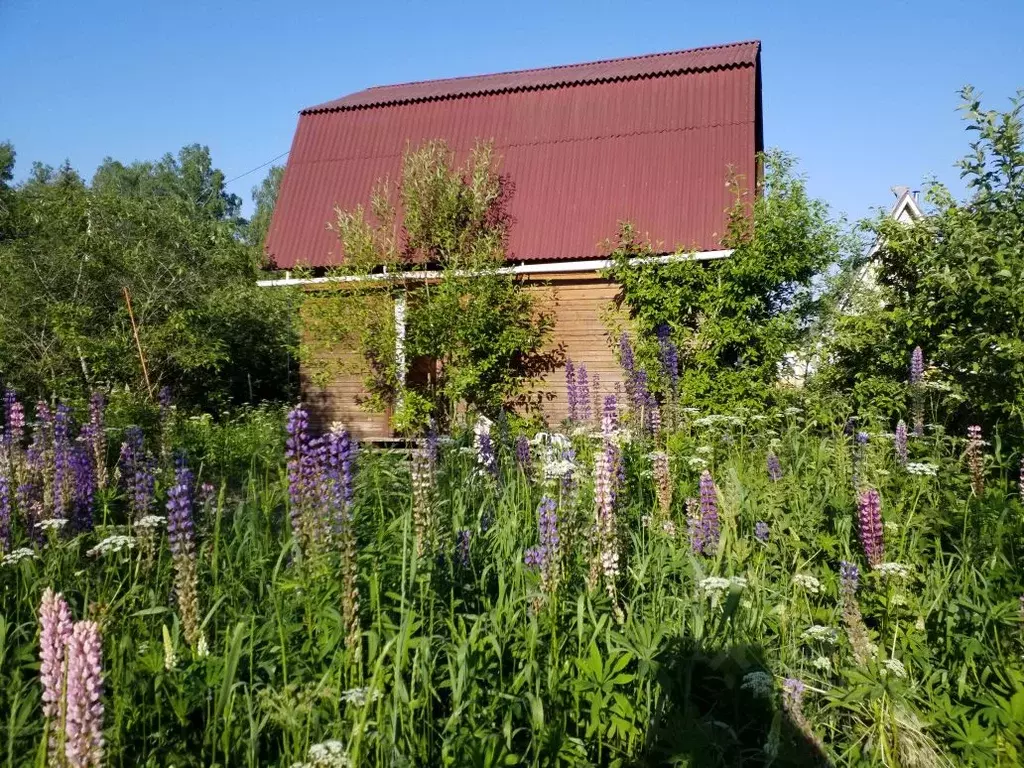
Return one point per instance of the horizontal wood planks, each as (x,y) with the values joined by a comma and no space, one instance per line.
(578,302)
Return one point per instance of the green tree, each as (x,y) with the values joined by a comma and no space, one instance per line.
(951,284)
(204,327)
(474,335)
(735,319)
(265,198)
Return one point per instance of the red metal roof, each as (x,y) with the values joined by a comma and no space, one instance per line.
(648,139)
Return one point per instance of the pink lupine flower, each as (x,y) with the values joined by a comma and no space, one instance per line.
(55,630)
(870,520)
(83,745)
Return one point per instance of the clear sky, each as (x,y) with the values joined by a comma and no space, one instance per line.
(863,93)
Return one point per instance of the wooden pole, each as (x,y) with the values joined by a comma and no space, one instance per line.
(138,344)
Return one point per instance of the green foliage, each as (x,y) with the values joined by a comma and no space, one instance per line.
(265,198)
(473,335)
(735,319)
(164,232)
(476,664)
(949,283)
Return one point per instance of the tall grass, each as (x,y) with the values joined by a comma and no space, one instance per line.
(473,664)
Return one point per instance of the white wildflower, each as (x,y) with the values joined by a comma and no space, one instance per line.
(696,462)
(17,556)
(357,697)
(792,411)
(202,649)
(824,663)
(893,570)
(52,524)
(689,409)
(328,754)
(820,633)
(759,683)
(705,450)
(669,527)
(645,521)
(922,468)
(151,522)
(558,468)
(895,667)
(112,544)
(170,656)
(714,585)
(807,583)
(891,526)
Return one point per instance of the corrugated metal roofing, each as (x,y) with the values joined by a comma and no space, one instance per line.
(648,139)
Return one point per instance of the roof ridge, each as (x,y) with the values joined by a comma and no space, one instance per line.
(527,70)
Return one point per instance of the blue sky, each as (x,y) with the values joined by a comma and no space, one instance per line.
(863,93)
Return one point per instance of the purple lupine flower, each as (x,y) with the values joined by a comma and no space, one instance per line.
(523,454)
(462,547)
(571,391)
(792,692)
(669,354)
(341,454)
(138,471)
(63,479)
(485,446)
(901,443)
(643,401)
(870,524)
(14,419)
(916,366)
(5,513)
(710,529)
(545,556)
(793,704)
(917,386)
(164,398)
(774,468)
(182,542)
(849,577)
(84,487)
(1020,482)
(693,526)
(568,480)
(628,362)
(596,397)
(83,726)
(583,394)
(856,631)
(299,466)
(55,628)
(761,531)
(976,459)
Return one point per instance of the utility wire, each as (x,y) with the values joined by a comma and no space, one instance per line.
(202,198)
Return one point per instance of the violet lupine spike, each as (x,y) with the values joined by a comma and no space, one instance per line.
(792,703)
(181,539)
(523,458)
(1020,482)
(669,354)
(55,627)
(916,366)
(341,453)
(84,493)
(571,392)
(693,525)
(596,397)
(545,556)
(976,459)
(901,443)
(917,385)
(14,420)
(761,531)
(856,630)
(583,394)
(297,461)
(568,480)
(164,397)
(5,513)
(605,560)
(137,473)
(63,478)
(774,468)
(83,726)
(869,518)
(710,528)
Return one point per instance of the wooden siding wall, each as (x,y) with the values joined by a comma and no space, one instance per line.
(578,302)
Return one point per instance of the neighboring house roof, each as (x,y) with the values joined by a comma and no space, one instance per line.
(648,139)
(906,210)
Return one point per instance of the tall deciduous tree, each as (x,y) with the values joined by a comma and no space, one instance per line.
(265,198)
(165,233)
